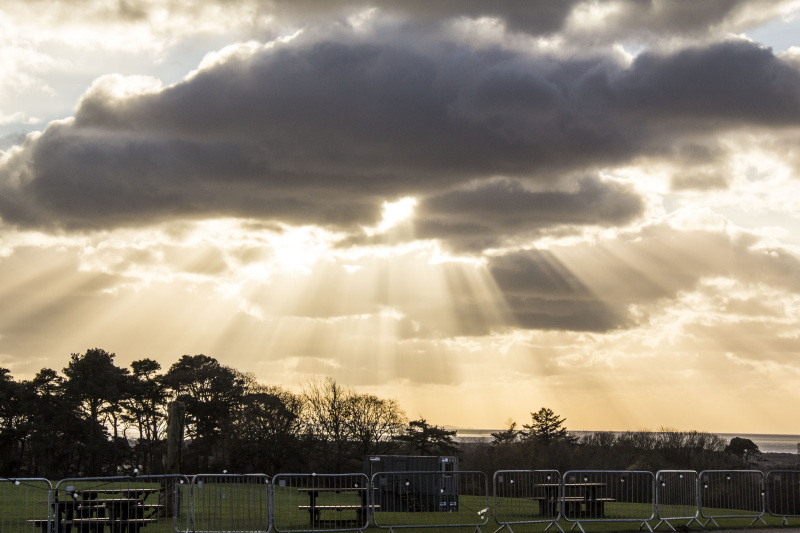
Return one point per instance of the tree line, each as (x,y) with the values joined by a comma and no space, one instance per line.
(96,418)
(546,444)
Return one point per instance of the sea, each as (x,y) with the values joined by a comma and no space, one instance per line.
(766,443)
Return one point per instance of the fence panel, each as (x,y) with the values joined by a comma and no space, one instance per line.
(24,505)
(526,497)
(783,494)
(731,494)
(122,503)
(230,502)
(320,502)
(676,497)
(430,499)
(608,496)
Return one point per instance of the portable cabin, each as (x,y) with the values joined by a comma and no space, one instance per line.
(413,483)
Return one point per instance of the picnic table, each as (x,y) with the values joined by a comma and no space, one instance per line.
(315,507)
(576,494)
(122,510)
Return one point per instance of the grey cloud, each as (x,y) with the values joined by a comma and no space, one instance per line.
(730,81)
(12,139)
(543,294)
(323,131)
(480,217)
(593,288)
(626,19)
(654,20)
(701,181)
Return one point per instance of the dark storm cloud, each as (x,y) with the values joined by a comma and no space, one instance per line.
(479,217)
(731,81)
(322,130)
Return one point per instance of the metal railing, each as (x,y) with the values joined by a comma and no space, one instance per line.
(526,497)
(430,499)
(783,494)
(726,494)
(297,503)
(230,502)
(320,502)
(676,497)
(608,496)
(26,504)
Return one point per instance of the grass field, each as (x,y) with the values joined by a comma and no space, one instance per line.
(237,505)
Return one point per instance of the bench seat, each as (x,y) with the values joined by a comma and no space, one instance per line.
(338,507)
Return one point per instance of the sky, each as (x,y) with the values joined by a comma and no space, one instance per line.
(477,208)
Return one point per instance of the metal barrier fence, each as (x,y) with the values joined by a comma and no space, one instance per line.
(783,494)
(430,499)
(122,503)
(296,503)
(731,494)
(230,502)
(24,504)
(676,497)
(526,497)
(608,496)
(320,502)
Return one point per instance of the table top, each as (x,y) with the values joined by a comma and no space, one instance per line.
(91,494)
(331,489)
(113,500)
(574,484)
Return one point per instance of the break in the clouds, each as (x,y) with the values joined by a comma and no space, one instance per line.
(508,204)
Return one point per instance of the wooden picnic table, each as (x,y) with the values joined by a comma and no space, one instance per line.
(315,508)
(87,512)
(575,494)
(126,513)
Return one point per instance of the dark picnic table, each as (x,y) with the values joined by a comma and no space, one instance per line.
(122,510)
(315,508)
(575,494)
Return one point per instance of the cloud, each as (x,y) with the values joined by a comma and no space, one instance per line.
(483,216)
(731,81)
(322,129)
(648,21)
(537,17)
(617,283)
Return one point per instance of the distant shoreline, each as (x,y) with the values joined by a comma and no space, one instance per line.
(768,443)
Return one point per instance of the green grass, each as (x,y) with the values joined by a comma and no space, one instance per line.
(242,507)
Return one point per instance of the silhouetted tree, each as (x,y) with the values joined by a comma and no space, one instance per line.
(145,408)
(55,441)
(507,436)
(14,423)
(546,427)
(374,422)
(328,414)
(268,431)
(744,448)
(95,386)
(424,439)
(211,392)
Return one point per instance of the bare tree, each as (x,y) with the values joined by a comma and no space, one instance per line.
(374,422)
(328,407)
